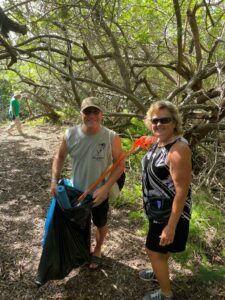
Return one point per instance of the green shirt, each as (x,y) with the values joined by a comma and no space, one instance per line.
(14,105)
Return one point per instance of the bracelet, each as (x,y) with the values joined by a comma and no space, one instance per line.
(53,180)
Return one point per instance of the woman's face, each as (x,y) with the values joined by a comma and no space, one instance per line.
(163,125)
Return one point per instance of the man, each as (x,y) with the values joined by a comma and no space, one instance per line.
(93,148)
(14,112)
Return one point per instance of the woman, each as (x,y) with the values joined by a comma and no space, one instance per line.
(166,179)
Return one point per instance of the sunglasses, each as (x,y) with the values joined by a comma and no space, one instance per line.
(165,120)
(91,110)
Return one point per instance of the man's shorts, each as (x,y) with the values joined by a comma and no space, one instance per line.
(100,213)
(180,238)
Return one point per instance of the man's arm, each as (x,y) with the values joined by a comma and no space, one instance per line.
(102,193)
(57,165)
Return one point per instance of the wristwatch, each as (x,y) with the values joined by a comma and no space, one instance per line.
(53,180)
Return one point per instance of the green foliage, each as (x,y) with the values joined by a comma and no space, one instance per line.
(205,215)
(133,24)
(131,199)
(135,215)
(133,163)
(137,127)
(209,273)
(5,95)
(5,89)
(126,144)
(140,17)
(138,218)
(206,227)
(129,196)
(36,122)
(69,113)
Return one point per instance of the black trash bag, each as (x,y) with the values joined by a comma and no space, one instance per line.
(67,242)
(121,181)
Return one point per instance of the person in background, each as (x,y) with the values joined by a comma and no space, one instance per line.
(14,114)
(92,148)
(166,176)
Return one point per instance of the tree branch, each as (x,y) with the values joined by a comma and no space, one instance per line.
(118,57)
(179,34)
(97,66)
(6,25)
(11,52)
(195,32)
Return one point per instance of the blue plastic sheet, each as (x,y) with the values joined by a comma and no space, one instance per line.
(49,219)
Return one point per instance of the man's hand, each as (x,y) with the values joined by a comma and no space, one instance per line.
(100,195)
(53,188)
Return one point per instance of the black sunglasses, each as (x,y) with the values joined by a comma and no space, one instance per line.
(91,110)
(165,120)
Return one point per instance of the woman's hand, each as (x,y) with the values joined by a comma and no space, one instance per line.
(167,235)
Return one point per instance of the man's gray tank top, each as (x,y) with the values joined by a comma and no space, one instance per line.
(91,155)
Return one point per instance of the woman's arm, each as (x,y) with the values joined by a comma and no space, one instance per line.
(180,165)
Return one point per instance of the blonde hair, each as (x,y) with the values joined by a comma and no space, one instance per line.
(158,105)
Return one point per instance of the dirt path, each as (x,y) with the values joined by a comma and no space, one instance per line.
(24,201)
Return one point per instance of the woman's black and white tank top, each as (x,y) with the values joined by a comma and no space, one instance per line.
(156,178)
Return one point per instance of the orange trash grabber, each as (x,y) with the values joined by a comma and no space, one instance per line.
(143,142)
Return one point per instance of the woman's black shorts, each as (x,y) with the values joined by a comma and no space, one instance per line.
(180,239)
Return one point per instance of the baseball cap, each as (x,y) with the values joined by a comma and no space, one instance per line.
(17,93)
(90,102)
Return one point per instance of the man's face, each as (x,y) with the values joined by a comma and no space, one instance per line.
(92,117)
